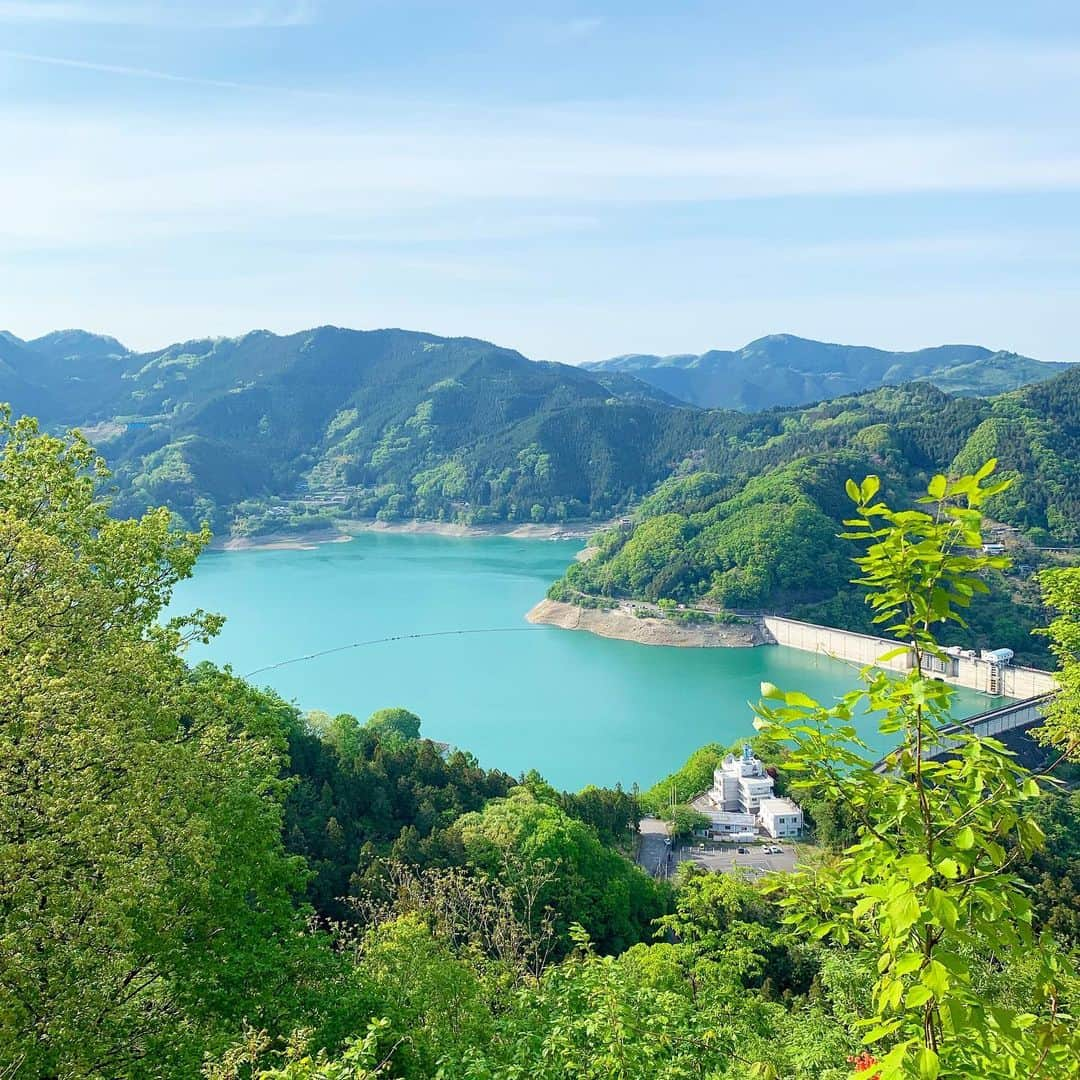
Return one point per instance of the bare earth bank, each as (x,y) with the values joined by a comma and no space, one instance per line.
(346,530)
(623,624)
(281,541)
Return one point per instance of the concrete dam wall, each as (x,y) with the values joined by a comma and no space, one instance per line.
(974,672)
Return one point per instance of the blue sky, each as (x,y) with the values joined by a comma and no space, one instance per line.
(572,180)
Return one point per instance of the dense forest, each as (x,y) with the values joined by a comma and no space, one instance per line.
(196,878)
(782,369)
(266,433)
(756,522)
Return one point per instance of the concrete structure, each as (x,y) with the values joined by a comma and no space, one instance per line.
(991,671)
(741,783)
(993,723)
(734,804)
(780,818)
(724,825)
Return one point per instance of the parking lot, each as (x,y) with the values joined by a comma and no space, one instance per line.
(658,859)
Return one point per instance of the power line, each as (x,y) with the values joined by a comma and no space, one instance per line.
(384,640)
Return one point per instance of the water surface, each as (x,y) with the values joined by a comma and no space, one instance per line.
(579,708)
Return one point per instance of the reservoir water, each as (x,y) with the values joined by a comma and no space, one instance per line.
(578,708)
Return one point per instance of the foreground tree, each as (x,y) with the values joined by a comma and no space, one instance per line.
(928,894)
(145,899)
(1061,591)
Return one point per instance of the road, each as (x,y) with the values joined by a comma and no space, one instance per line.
(653,854)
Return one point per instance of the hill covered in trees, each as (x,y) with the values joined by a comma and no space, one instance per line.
(387,422)
(198,879)
(786,370)
(754,522)
(267,432)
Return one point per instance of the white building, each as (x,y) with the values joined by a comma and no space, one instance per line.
(780,817)
(725,825)
(735,805)
(741,783)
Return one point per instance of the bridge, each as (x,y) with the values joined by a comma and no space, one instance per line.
(1016,715)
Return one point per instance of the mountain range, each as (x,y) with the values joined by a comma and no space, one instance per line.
(268,431)
(786,370)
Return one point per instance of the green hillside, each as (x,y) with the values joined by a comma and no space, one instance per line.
(266,432)
(755,525)
(786,370)
(263,430)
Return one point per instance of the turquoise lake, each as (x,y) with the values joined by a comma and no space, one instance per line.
(579,708)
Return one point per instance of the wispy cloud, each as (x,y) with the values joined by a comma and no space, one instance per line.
(127,71)
(98,177)
(177,15)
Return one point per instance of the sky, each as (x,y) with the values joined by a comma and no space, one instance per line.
(574,181)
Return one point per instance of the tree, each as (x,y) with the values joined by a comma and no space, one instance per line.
(932,876)
(1061,591)
(146,903)
(593,885)
(394,722)
(683,820)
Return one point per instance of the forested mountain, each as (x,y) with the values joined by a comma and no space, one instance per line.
(264,431)
(755,522)
(384,422)
(786,370)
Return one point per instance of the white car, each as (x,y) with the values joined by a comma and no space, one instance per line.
(772,849)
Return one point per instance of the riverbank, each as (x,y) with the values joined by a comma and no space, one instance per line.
(514,530)
(621,622)
(345,530)
(282,541)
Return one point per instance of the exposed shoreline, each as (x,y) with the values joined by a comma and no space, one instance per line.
(281,541)
(344,531)
(622,624)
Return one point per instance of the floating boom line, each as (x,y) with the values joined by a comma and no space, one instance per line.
(386,640)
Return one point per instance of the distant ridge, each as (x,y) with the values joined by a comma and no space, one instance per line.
(262,431)
(783,369)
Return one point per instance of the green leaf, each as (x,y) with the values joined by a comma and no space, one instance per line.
(936,487)
(965,838)
(949,868)
(907,964)
(903,910)
(927,1062)
(936,979)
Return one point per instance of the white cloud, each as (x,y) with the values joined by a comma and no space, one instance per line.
(96,179)
(180,14)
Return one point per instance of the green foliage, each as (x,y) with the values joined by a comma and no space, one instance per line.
(1053,871)
(391,723)
(696,774)
(1061,589)
(683,820)
(160,824)
(361,795)
(931,877)
(147,903)
(593,885)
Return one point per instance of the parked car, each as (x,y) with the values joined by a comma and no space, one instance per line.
(773,849)
(743,851)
